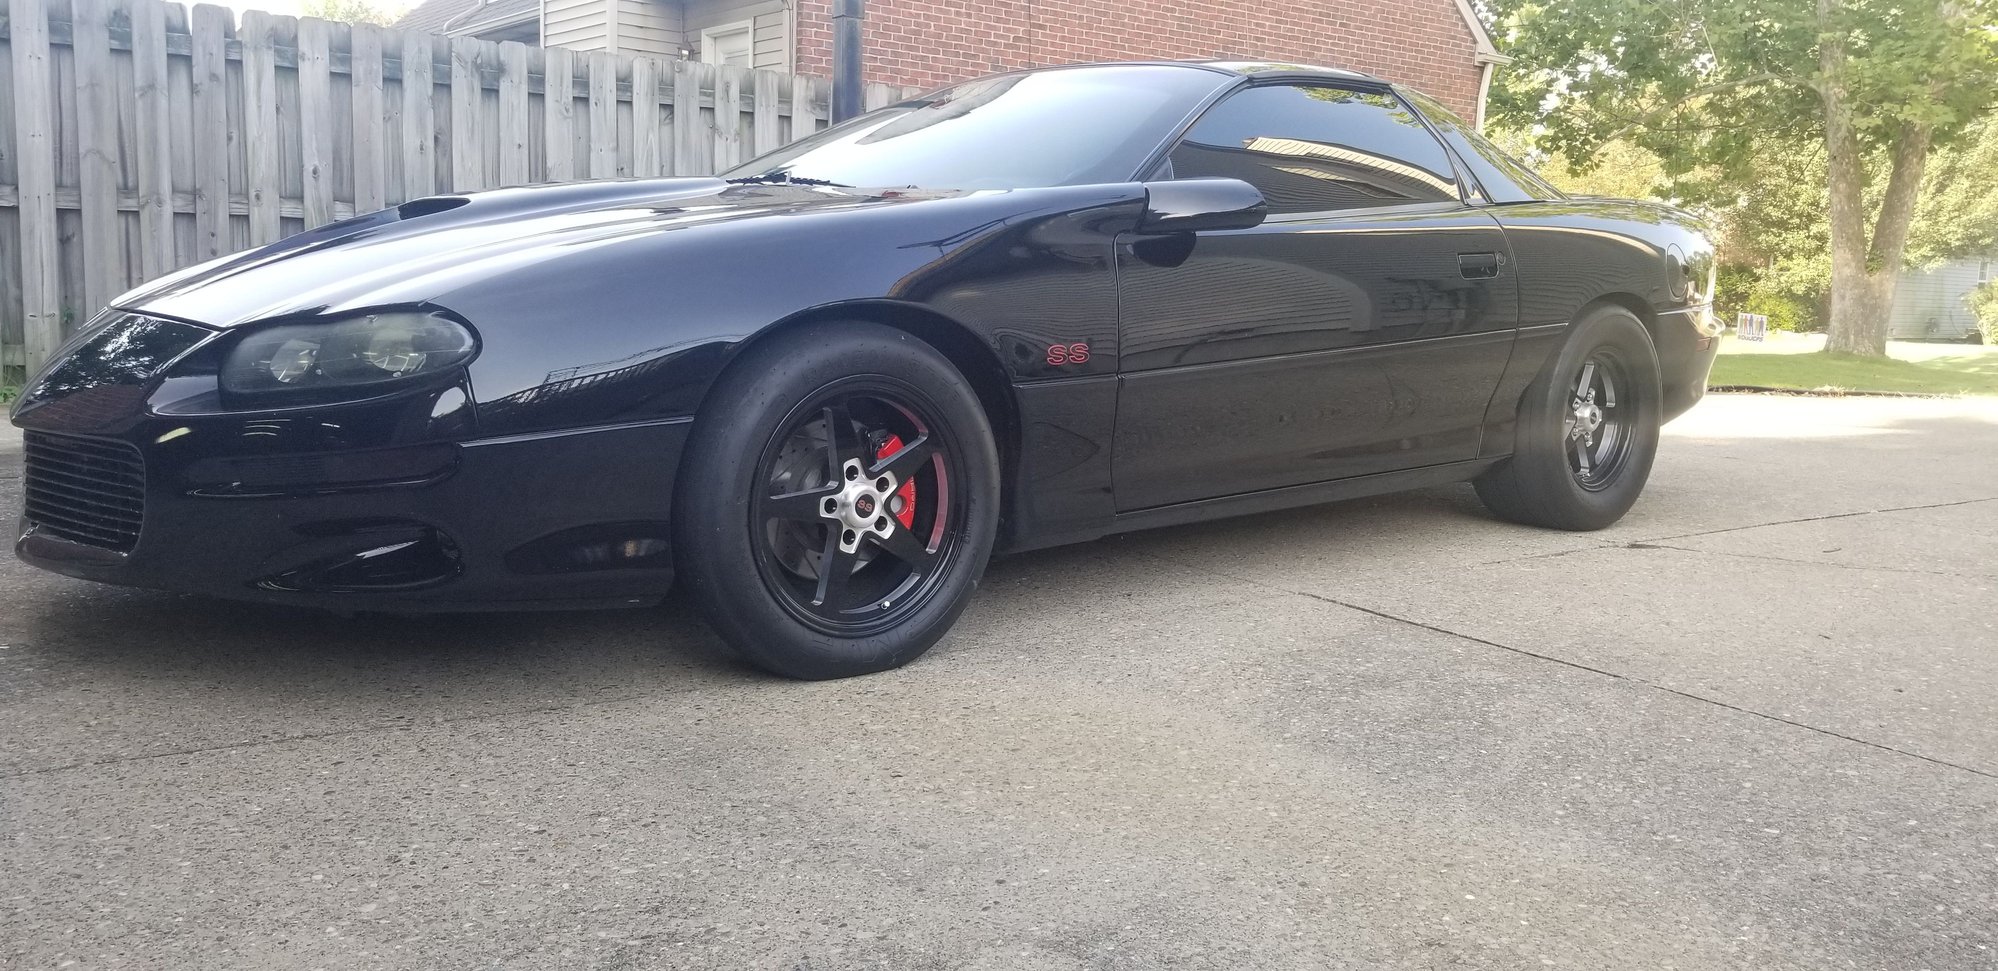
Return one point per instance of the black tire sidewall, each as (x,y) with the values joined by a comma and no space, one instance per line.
(1541,456)
(714,540)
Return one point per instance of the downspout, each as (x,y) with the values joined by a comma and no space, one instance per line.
(846,94)
(1486,68)
(1488,64)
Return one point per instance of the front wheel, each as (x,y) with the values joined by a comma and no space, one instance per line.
(838,501)
(1587,431)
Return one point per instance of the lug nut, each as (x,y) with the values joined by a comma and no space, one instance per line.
(832,507)
(853,472)
(881,484)
(881,522)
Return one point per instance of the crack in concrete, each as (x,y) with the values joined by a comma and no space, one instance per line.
(1629,679)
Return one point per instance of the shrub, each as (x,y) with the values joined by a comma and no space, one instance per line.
(1792,301)
(1984,303)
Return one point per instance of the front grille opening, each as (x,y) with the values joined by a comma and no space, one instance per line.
(86,490)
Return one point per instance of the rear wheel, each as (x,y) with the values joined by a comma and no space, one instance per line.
(838,501)
(1587,431)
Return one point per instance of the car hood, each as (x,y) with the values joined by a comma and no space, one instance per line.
(423,251)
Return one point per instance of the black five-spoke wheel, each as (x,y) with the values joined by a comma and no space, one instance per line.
(857,511)
(1596,429)
(837,501)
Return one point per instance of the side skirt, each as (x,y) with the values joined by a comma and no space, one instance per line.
(1290,497)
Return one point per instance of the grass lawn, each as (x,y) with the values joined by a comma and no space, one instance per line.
(1797,361)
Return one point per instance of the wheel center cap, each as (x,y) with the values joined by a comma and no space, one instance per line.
(858,506)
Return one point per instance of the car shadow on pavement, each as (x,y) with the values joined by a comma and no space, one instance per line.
(113,646)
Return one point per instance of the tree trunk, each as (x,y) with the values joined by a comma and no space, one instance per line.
(1865,267)
(1860,302)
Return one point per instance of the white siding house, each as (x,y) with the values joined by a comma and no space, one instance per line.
(1931,304)
(746,33)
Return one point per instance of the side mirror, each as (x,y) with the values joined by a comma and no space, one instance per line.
(1195,205)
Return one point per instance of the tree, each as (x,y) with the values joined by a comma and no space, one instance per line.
(348,11)
(1875,86)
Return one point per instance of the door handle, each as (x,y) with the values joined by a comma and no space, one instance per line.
(1479,266)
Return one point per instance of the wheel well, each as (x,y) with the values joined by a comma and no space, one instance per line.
(1628,301)
(972,357)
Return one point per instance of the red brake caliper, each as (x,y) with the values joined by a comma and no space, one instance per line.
(907,493)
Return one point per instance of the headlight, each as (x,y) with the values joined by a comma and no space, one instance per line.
(360,353)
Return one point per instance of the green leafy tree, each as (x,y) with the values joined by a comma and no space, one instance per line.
(1730,87)
(349,11)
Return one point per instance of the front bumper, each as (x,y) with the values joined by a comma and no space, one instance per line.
(389,506)
(1687,342)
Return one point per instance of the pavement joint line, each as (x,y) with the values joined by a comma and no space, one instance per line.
(1791,559)
(315,736)
(1823,518)
(1433,628)
(1658,541)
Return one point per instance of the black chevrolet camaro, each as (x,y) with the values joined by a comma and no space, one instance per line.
(823,389)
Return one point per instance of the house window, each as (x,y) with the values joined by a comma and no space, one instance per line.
(729,44)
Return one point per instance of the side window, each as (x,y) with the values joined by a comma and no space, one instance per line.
(1504,178)
(1314,149)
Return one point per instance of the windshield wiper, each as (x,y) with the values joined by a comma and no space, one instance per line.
(785,178)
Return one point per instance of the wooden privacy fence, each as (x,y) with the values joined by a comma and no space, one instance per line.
(136,139)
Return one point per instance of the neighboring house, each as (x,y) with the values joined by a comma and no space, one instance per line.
(515,20)
(1934,304)
(1438,46)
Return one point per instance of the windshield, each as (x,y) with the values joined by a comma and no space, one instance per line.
(1065,127)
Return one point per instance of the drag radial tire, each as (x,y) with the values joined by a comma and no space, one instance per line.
(1587,432)
(837,500)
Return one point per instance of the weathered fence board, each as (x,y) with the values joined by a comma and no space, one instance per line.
(35,149)
(645,157)
(559,123)
(603,115)
(370,136)
(260,114)
(139,139)
(211,131)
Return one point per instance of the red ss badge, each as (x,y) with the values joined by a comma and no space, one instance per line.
(1060,354)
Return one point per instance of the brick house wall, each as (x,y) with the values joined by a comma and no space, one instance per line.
(1423,43)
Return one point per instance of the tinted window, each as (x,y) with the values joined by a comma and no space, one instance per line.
(1312,149)
(1505,179)
(1066,127)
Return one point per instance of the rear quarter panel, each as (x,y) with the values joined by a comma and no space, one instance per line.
(1573,254)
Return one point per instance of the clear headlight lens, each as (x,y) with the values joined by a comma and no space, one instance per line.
(360,353)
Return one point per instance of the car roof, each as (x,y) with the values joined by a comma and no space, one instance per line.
(1248,69)
(1288,69)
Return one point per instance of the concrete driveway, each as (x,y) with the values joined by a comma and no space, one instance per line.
(1753,726)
